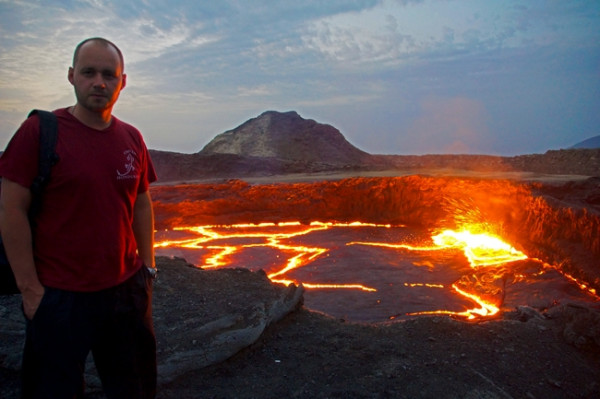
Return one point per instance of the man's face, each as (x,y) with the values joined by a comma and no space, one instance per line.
(97,77)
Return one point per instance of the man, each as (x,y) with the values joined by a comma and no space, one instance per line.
(85,270)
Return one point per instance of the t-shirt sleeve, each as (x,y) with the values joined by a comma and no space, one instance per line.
(19,162)
(149,173)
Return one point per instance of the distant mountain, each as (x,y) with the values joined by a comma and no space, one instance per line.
(592,142)
(290,137)
(280,143)
(274,143)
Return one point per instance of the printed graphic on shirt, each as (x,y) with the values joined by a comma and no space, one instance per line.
(129,170)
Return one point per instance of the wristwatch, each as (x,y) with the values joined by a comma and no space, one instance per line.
(153,272)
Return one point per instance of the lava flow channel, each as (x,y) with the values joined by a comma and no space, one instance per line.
(268,235)
(222,242)
(480,249)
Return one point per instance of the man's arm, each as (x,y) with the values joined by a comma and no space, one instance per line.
(143,228)
(15,201)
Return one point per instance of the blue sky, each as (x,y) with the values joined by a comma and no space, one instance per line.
(394,76)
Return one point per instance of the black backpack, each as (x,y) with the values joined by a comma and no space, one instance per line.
(48,157)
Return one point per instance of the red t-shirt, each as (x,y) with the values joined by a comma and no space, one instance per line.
(83,239)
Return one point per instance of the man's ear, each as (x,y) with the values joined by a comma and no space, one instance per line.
(70,74)
(123,81)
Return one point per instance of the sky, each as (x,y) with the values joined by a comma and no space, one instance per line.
(399,77)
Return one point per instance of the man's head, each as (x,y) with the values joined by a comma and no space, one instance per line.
(100,40)
(97,74)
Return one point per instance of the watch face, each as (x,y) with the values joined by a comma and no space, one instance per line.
(153,272)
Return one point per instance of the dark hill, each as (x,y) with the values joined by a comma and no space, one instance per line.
(289,137)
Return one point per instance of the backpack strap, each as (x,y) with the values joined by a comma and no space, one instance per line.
(47,155)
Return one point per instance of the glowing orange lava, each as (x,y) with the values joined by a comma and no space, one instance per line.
(221,243)
(481,249)
(299,255)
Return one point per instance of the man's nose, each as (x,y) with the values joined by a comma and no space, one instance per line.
(99,80)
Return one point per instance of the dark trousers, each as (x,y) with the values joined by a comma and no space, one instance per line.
(114,324)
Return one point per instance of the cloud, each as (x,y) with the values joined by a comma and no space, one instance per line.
(255,91)
(337,100)
(378,70)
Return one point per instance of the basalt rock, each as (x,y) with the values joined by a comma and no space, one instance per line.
(219,313)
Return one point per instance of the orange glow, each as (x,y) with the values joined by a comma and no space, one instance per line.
(424,285)
(480,249)
(582,286)
(339,286)
(486,309)
(483,251)
(270,235)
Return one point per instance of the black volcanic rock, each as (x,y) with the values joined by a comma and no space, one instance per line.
(287,136)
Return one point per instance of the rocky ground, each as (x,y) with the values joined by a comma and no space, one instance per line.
(525,354)
(311,356)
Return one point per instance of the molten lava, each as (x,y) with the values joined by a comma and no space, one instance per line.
(221,244)
(481,249)
(269,235)
(367,272)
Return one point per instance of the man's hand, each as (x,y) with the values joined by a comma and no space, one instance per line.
(31,301)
